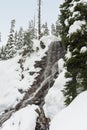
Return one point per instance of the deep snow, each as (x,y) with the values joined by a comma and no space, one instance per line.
(24,119)
(74,117)
(10,74)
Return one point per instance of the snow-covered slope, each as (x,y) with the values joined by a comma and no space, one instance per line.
(18,74)
(16,77)
(26,80)
(74,117)
(24,119)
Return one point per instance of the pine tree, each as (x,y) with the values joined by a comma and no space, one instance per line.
(16,37)
(32,29)
(74,12)
(45,30)
(12,32)
(10,46)
(20,39)
(57,28)
(27,44)
(2,53)
(53,30)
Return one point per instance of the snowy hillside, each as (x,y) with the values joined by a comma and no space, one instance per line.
(31,91)
(25,81)
(74,117)
(15,79)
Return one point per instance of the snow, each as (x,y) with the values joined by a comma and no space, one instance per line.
(11,74)
(60,65)
(74,3)
(77,23)
(54,100)
(66,22)
(76,13)
(9,79)
(73,117)
(68,54)
(76,26)
(83,49)
(48,39)
(24,119)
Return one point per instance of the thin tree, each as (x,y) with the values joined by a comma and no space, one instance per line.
(39,19)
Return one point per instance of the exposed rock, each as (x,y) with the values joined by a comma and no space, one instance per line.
(31,73)
(42,121)
(42,45)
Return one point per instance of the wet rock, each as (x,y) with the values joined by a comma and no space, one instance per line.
(42,45)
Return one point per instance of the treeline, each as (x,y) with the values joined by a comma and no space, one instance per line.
(22,39)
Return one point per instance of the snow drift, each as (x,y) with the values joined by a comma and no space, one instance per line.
(74,117)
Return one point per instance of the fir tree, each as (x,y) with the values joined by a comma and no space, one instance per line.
(20,39)
(10,46)
(16,37)
(2,53)
(53,29)
(74,11)
(27,44)
(57,28)
(32,29)
(45,30)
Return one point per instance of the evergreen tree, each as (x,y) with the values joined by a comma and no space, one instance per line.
(27,44)
(20,39)
(10,46)
(45,30)
(32,29)
(73,12)
(15,37)
(12,32)
(57,28)
(2,53)
(53,29)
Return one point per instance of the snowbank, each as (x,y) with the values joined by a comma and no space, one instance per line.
(74,117)
(83,49)
(24,119)
(54,100)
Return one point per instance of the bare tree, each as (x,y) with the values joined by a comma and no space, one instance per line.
(39,19)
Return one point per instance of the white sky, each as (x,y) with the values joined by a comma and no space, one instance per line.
(23,11)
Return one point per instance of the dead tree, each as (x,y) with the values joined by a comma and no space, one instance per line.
(39,19)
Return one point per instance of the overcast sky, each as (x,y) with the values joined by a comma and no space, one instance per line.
(23,11)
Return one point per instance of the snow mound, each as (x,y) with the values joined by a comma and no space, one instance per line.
(24,119)
(48,39)
(74,117)
(83,49)
(54,100)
